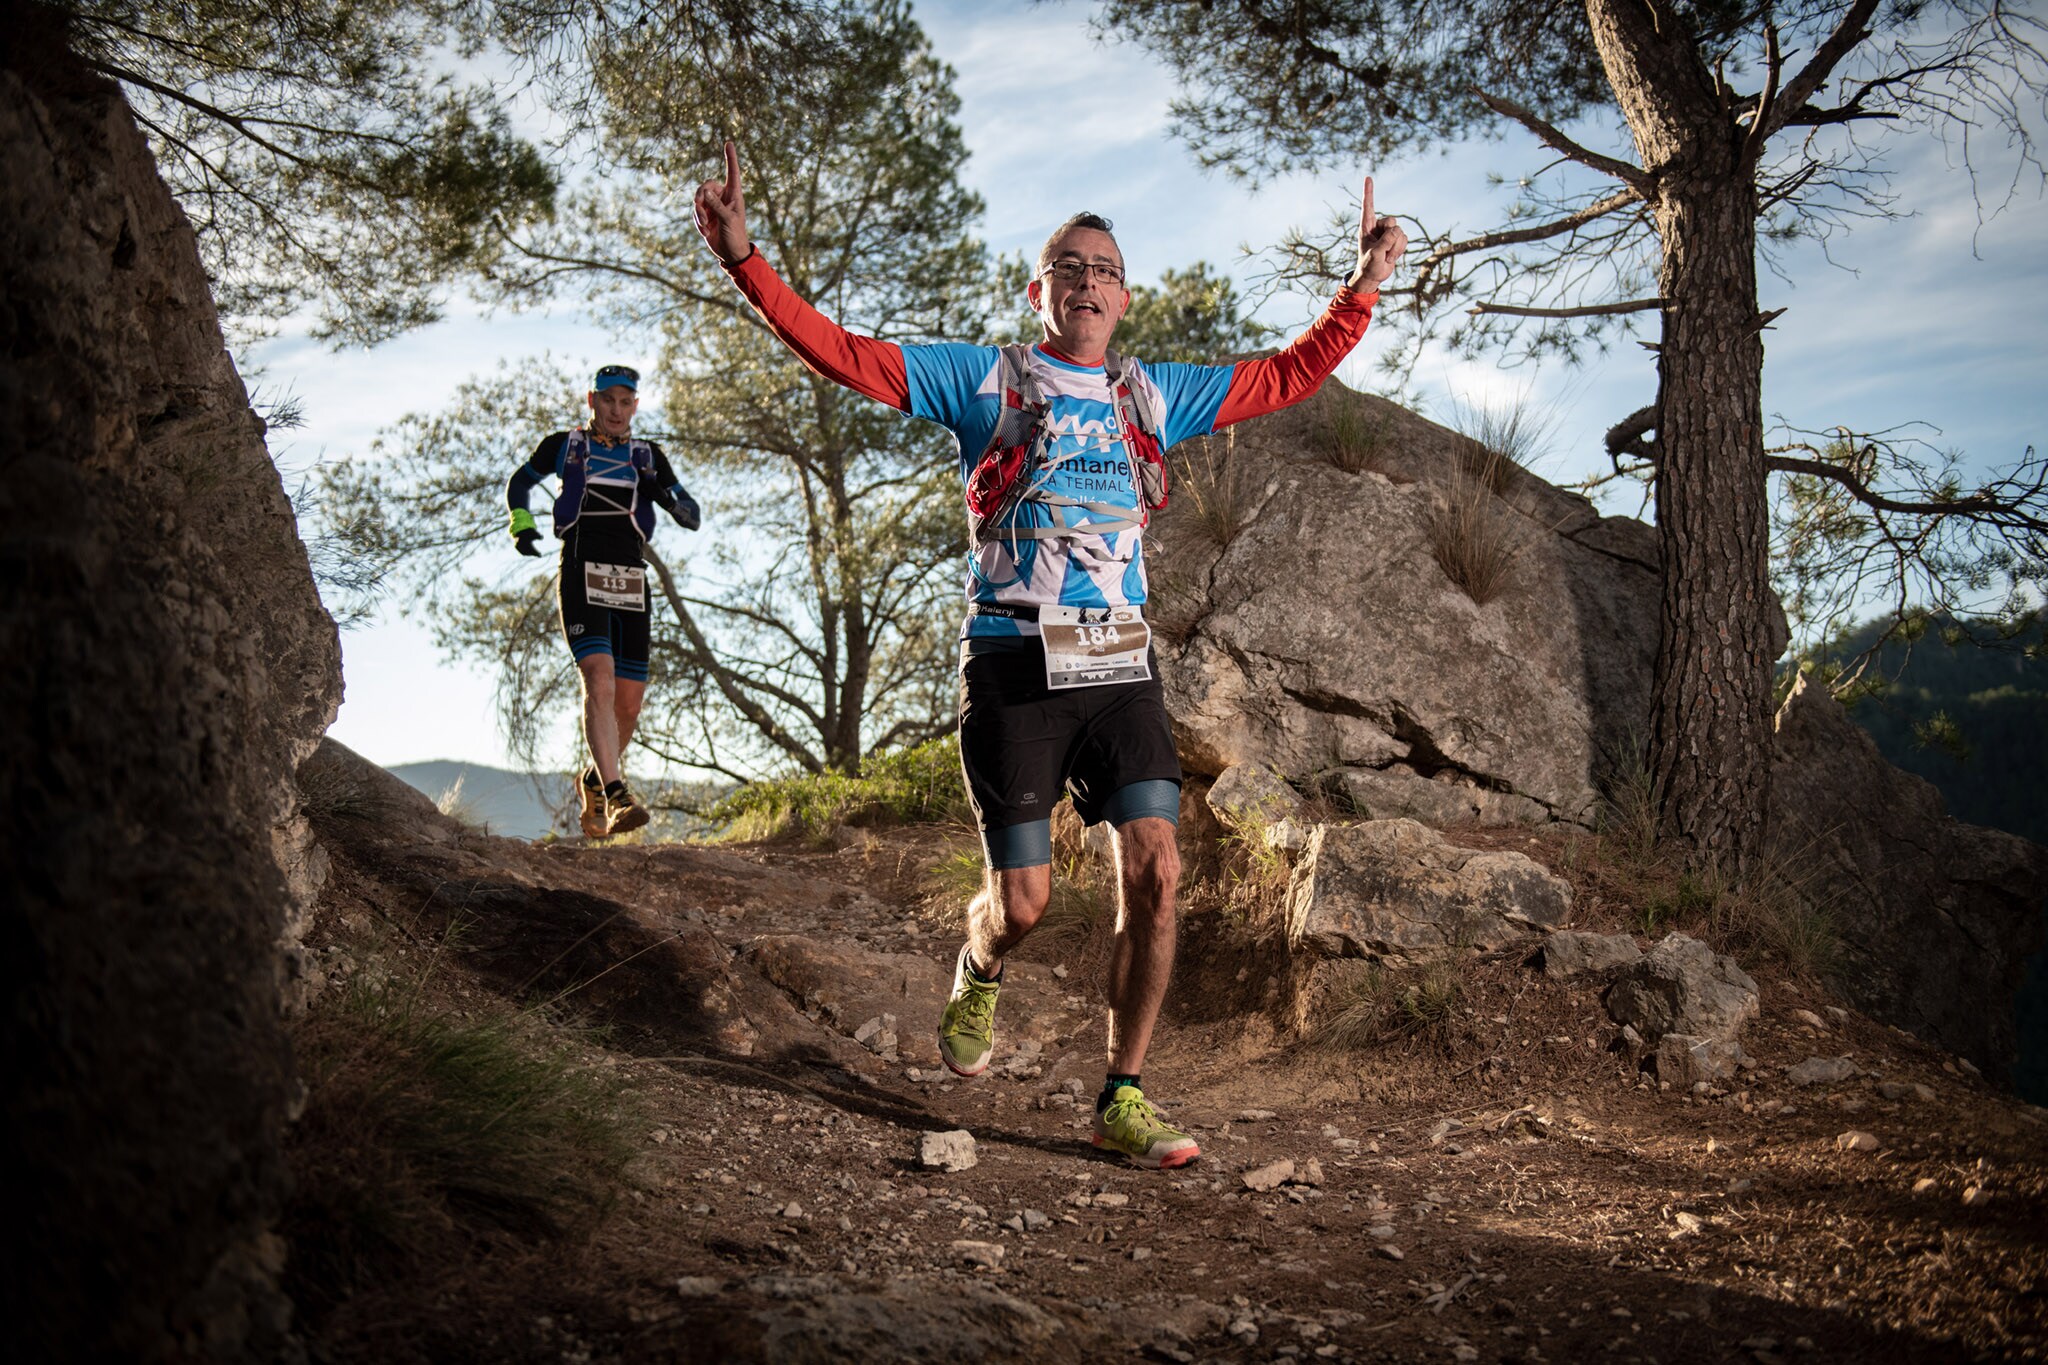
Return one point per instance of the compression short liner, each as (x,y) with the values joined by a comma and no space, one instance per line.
(1030,844)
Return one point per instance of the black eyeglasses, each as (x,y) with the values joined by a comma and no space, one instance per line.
(1069,271)
(625,372)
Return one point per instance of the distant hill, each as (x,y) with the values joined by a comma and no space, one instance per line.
(523,805)
(520,805)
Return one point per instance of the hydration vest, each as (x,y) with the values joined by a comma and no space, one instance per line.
(1013,469)
(575,482)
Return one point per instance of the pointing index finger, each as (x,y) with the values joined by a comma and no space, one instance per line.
(1368,222)
(732,171)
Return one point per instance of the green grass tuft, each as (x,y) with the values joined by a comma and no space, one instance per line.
(905,786)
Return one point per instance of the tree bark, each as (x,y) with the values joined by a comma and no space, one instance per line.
(1711,699)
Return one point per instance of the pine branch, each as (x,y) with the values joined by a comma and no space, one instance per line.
(1601,208)
(1635,177)
(1591,310)
(1800,91)
(2018,514)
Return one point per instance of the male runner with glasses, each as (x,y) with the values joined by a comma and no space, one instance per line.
(610,486)
(1060,447)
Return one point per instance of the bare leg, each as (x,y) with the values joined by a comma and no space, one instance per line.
(1141,963)
(626,698)
(1008,908)
(600,713)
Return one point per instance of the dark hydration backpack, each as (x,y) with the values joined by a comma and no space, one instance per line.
(1012,469)
(575,482)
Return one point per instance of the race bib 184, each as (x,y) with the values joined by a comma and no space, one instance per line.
(1090,646)
(622,587)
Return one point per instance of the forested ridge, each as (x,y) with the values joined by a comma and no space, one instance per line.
(1996,696)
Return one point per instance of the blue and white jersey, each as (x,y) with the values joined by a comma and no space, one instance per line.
(961,388)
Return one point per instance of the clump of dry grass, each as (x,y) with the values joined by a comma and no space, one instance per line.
(1774,909)
(1383,1005)
(1083,885)
(1175,603)
(1474,540)
(1220,499)
(1499,441)
(1351,439)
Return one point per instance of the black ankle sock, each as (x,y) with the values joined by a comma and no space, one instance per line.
(615,788)
(590,779)
(975,972)
(1109,1089)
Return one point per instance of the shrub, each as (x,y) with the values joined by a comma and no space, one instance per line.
(903,786)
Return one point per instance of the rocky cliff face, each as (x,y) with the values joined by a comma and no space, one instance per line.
(168,665)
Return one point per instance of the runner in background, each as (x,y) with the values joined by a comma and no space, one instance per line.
(611,485)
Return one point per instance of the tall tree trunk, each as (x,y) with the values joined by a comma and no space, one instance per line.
(1711,699)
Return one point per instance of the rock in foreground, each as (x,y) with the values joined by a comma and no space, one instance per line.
(1395,889)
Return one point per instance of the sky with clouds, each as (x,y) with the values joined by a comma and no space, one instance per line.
(1935,317)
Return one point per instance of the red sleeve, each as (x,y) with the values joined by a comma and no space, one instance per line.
(863,364)
(1258,387)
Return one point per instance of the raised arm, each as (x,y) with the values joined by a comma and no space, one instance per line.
(863,364)
(1258,387)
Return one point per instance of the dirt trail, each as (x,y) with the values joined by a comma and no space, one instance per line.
(1504,1188)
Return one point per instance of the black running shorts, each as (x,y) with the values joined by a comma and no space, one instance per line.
(592,629)
(1022,744)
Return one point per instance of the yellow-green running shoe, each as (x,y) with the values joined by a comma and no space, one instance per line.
(1132,1126)
(967,1030)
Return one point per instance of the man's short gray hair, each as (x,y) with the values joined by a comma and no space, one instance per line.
(1093,221)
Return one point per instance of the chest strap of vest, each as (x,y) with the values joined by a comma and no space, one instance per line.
(1017,463)
(578,488)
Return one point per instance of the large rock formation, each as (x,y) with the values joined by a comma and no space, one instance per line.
(168,664)
(1308,629)
(1325,641)
(1936,918)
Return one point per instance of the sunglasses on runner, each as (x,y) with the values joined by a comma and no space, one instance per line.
(610,375)
(1070,271)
